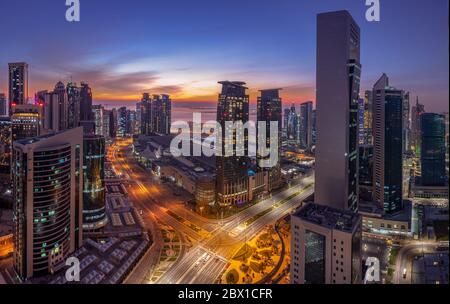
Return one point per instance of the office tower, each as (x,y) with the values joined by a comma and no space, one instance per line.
(161,113)
(231,171)
(388,147)
(133,125)
(106,123)
(63,106)
(433,149)
(3,105)
(25,121)
(48,201)
(98,118)
(269,110)
(94,214)
(113,123)
(305,132)
(292,126)
(18,84)
(146,114)
(122,121)
(416,134)
(51,110)
(86,103)
(286,118)
(406,123)
(338,74)
(73,100)
(325,246)
(138,118)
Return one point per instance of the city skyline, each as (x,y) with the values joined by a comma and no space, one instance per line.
(187,61)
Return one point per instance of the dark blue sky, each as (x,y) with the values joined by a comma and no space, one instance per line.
(183,47)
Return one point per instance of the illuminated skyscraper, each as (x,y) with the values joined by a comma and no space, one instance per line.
(305,132)
(232,171)
(146,114)
(432,155)
(73,99)
(18,84)
(416,134)
(86,103)
(388,147)
(338,76)
(63,106)
(47,190)
(269,110)
(94,213)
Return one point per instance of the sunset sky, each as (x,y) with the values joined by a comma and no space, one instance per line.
(181,47)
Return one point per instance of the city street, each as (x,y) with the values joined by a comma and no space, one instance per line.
(217,240)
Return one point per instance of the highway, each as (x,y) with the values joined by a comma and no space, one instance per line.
(218,240)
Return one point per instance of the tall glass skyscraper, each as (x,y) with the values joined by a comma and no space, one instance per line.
(18,84)
(388,145)
(338,80)
(232,171)
(94,214)
(433,149)
(269,110)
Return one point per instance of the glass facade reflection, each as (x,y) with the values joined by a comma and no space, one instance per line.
(314,258)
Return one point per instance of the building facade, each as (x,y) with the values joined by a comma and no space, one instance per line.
(388,145)
(47,188)
(18,84)
(338,80)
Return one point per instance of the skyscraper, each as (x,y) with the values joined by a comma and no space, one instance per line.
(292,126)
(232,171)
(122,122)
(305,132)
(73,100)
(94,213)
(269,110)
(63,106)
(18,84)
(138,118)
(86,103)
(47,190)
(146,114)
(416,134)
(388,147)
(98,118)
(406,123)
(433,149)
(51,111)
(3,106)
(338,74)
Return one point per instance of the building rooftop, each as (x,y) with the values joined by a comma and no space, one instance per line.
(329,217)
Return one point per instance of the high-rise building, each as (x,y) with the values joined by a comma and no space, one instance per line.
(113,124)
(433,149)
(305,132)
(86,103)
(106,123)
(98,118)
(94,213)
(367,137)
(406,123)
(292,126)
(18,84)
(269,110)
(48,201)
(388,147)
(146,114)
(361,117)
(3,105)
(138,128)
(338,76)
(161,113)
(73,100)
(122,122)
(416,134)
(52,112)
(5,145)
(366,166)
(232,171)
(325,246)
(25,121)
(63,106)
